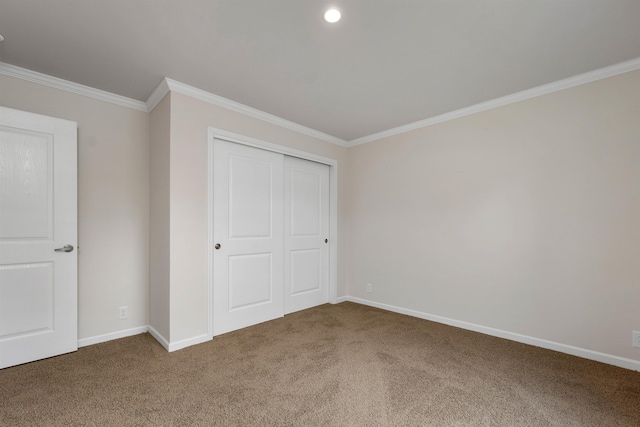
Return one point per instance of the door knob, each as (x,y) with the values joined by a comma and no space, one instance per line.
(326,240)
(65,248)
(217,246)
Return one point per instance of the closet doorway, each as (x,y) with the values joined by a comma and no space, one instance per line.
(270,234)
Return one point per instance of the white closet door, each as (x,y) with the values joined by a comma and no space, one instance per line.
(306,219)
(248,234)
(38,235)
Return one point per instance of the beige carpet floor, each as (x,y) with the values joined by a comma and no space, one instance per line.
(341,365)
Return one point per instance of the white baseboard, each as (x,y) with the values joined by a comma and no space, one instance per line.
(340,299)
(179,345)
(550,345)
(112,336)
(169,346)
(158,336)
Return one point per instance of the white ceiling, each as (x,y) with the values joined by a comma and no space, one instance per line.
(385,64)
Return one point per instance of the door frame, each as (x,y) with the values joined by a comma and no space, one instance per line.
(215,133)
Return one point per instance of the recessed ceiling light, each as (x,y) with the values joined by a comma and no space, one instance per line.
(1,38)
(332,15)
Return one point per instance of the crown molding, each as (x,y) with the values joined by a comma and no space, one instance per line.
(157,95)
(168,85)
(601,73)
(78,89)
(165,86)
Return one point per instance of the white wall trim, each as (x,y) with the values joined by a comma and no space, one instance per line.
(264,145)
(550,345)
(158,336)
(78,89)
(333,231)
(188,342)
(158,93)
(559,85)
(214,133)
(210,137)
(169,346)
(112,336)
(168,85)
(340,299)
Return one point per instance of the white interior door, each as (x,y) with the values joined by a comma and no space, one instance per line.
(38,215)
(306,224)
(248,235)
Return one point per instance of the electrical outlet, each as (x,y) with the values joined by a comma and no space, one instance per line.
(369,288)
(123,312)
(636,339)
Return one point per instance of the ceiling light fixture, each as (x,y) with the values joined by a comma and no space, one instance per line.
(332,15)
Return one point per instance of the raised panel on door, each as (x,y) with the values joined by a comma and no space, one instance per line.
(38,213)
(306,218)
(248,230)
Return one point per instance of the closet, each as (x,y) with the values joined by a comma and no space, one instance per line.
(270,235)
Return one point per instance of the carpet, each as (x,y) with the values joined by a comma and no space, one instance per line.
(332,365)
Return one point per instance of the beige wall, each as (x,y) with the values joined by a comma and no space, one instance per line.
(190,121)
(159,203)
(113,202)
(523,218)
(142,204)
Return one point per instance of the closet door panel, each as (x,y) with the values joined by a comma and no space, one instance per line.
(248,236)
(306,228)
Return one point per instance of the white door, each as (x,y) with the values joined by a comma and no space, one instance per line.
(38,218)
(306,230)
(248,235)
